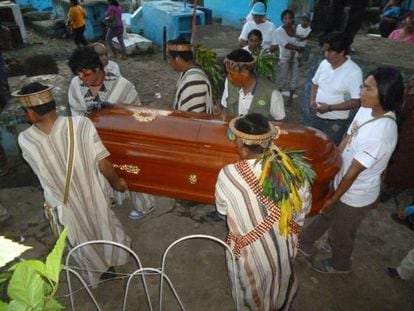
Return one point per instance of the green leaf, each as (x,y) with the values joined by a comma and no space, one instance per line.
(35,264)
(3,306)
(4,277)
(53,260)
(53,305)
(26,286)
(17,306)
(10,250)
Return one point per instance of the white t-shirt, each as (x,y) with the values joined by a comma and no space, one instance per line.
(113,68)
(336,86)
(283,39)
(277,107)
(372,146)
(267,29)
(247,49)
(249,17)
(304,32)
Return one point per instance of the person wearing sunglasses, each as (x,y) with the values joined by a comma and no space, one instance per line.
(245,92)
(92,88)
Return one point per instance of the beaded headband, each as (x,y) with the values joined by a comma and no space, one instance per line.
(254,139)
(182,47)
(35,99)
(239,65)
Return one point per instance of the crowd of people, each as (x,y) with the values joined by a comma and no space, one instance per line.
(263,216)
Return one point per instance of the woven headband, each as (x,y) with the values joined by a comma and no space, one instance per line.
(182,47)
(35,99)
(254,139)
(233,63)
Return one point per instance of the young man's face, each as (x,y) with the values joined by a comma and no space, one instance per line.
(172,61)
(287,19)
(254,42)
(369,94)
(237,78)
(332,56)
(259,19)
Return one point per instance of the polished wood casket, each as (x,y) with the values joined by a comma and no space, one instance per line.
(179,154)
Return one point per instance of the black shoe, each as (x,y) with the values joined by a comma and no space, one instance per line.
(109,274)
(215,216)
(392,272)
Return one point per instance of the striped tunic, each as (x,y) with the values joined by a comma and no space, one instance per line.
(194,92)
(87,213)
(264,269)
(114,90)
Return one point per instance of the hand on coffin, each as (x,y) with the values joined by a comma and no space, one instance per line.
(120,185)
(327,206)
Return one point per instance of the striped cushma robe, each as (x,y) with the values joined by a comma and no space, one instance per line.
(264,269)
(114,90)
(87,213)
(194,92)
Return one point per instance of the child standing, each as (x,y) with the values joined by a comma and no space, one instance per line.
(254,41)
(303,31)
(288,65)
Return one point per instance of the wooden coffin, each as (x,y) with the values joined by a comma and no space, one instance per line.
(179,154)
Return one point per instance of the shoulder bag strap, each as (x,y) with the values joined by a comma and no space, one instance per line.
(70,160)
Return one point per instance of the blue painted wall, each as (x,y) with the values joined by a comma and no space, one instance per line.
(38,5)
(232,11)
(169,14)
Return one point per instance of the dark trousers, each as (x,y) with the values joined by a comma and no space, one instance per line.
(342,221)
(78,37)
(356,16)
(334,129)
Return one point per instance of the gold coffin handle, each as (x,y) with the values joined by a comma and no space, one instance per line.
(192,179)
(132,169)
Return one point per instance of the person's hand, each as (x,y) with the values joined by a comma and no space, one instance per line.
(300,49)
(402,214)
(323,108)
(120,185)
(327,206)
(313,107)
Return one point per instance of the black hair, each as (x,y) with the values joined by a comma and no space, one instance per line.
(241,56)
(84,58)
(407,14)
(114,2)
(305,18)
(337,42)
(390,87)
(74,2)
(285,12)
(255,32)
(253,123)
(34,88)
(185,55)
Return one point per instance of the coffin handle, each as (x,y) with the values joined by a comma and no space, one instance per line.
(192,179)
(132,169)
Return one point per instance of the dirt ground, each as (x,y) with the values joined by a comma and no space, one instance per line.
(197,268)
